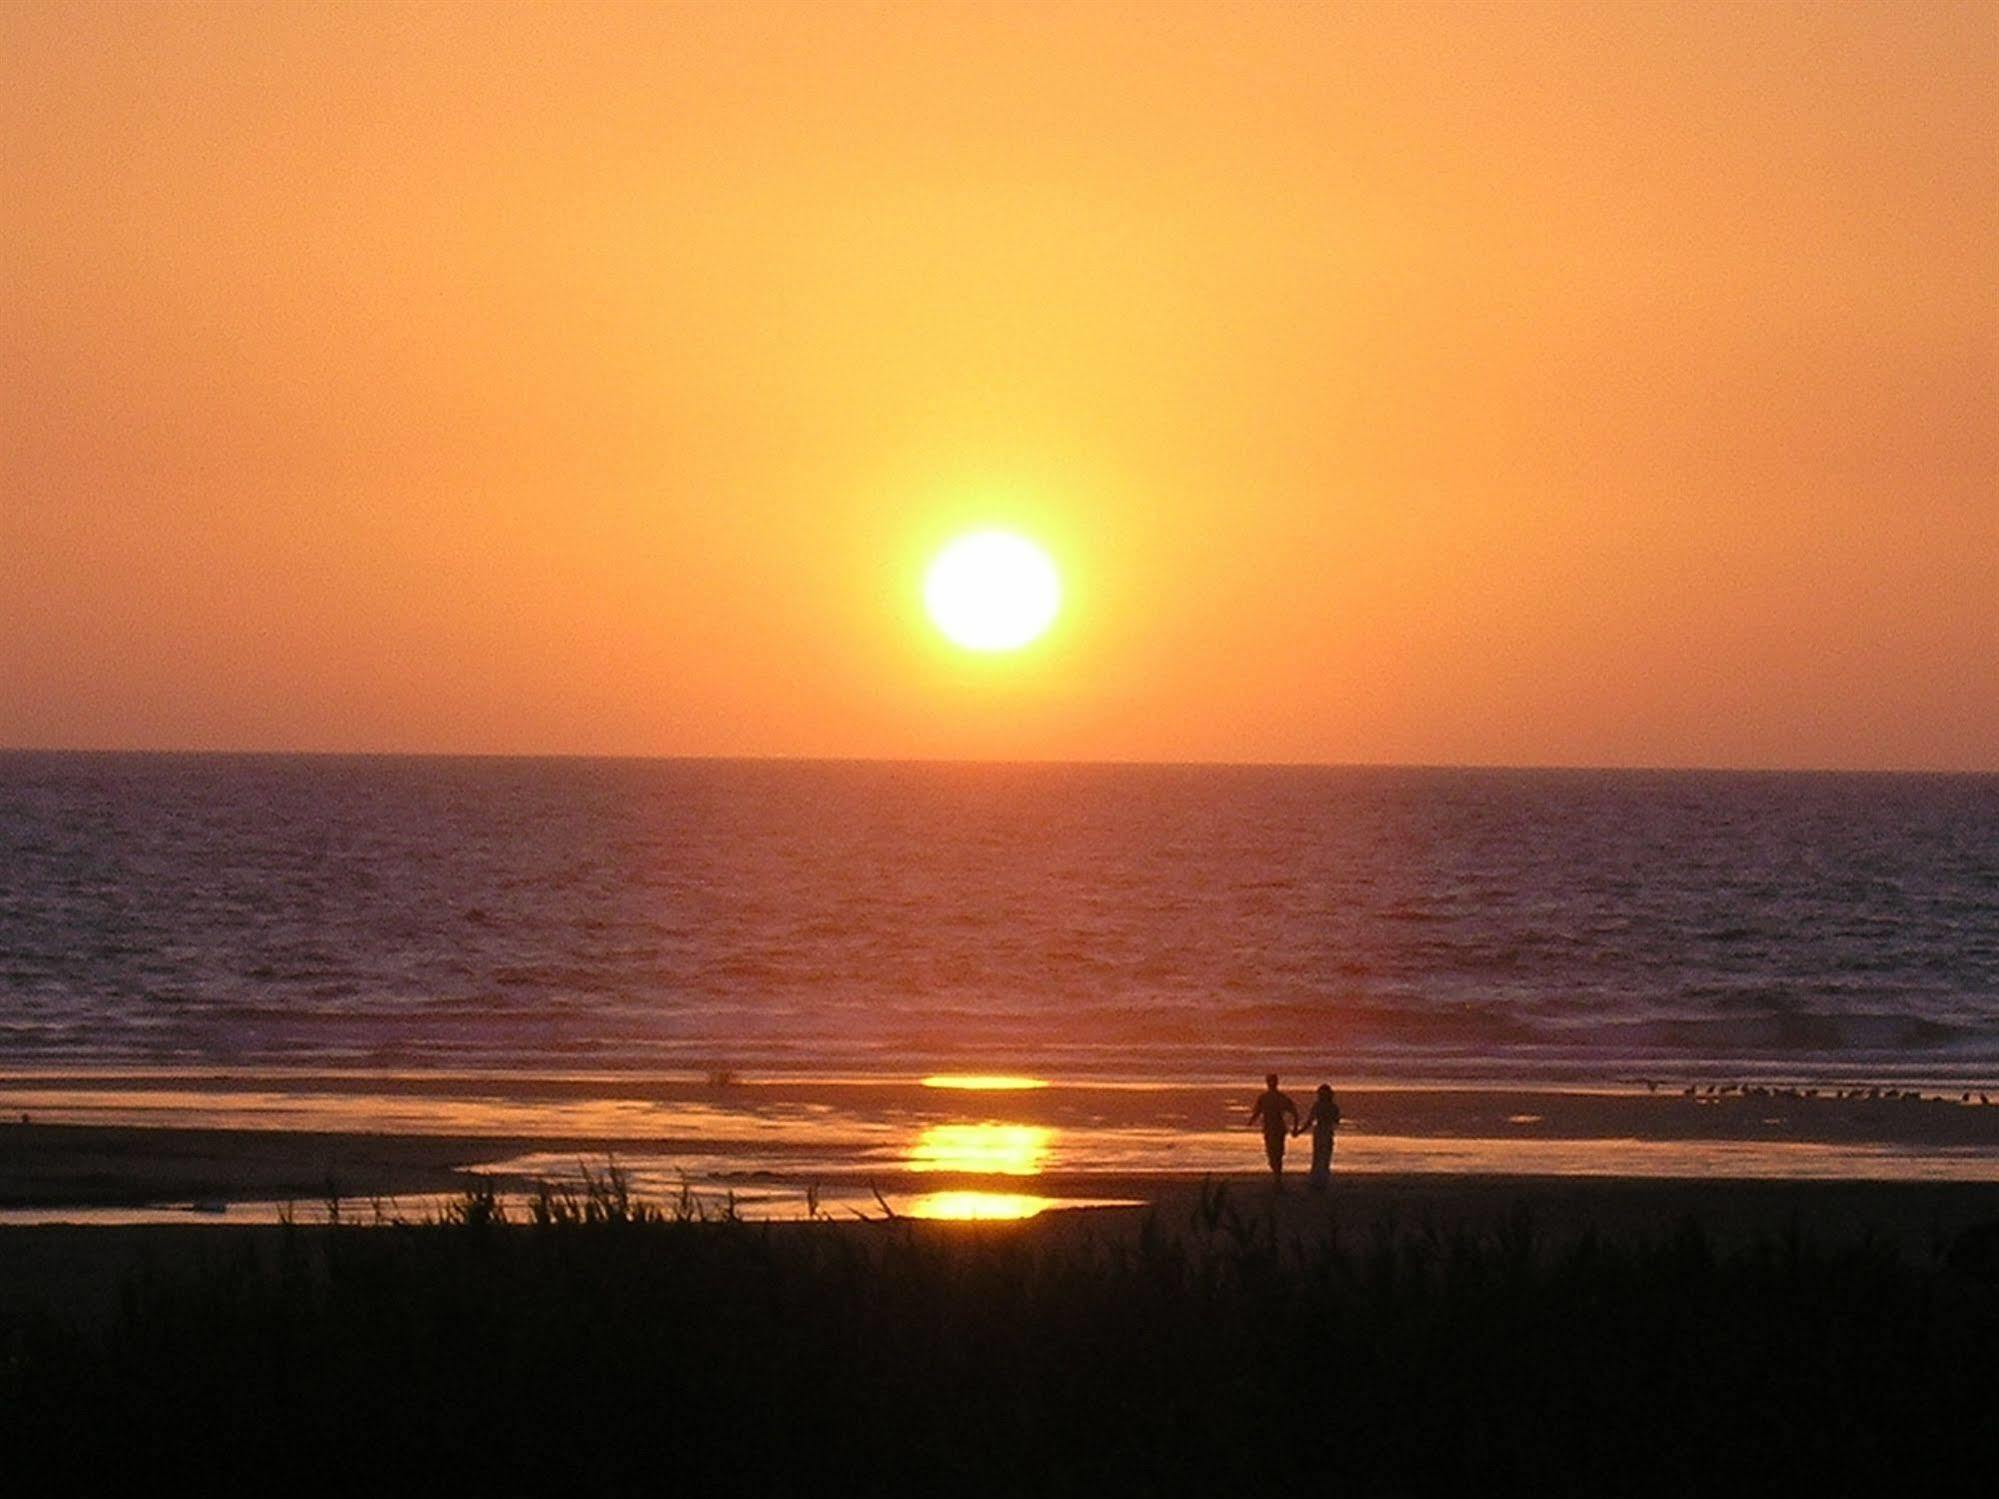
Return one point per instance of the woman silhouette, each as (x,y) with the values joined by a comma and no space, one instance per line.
(1322,1121)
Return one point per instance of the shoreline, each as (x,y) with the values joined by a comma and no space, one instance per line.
(412,1102)
(1640,1073)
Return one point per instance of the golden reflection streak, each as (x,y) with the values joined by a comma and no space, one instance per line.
(983,1207)
(983,1082)
(982,1149)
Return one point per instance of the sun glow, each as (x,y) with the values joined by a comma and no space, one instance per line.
(992,591)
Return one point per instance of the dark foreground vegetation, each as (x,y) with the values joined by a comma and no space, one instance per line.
(604,1346)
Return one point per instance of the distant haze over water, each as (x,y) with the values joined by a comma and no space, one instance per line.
(1161,922)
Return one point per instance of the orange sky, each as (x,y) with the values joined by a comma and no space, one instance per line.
(1606,384)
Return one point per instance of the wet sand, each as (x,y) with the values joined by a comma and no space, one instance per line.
(132,1140)
(104,1166)
(640,1108)
(101,1166)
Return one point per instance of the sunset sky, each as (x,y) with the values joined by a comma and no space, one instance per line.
(1594,384)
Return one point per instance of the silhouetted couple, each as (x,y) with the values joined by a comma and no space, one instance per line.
(1272,1111)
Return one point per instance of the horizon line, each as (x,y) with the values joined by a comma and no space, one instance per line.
(1052,762)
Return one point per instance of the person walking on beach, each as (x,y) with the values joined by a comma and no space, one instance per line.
(1323,1119)
(1270,1110)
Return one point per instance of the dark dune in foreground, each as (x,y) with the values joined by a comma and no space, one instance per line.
(1404,1333)
(81,1269)
(1405,1337)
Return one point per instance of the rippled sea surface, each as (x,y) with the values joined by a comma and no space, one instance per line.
(1066,920)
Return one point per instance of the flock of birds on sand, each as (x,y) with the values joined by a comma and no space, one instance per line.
(1711,1091)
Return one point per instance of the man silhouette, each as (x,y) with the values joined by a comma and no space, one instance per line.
(1271,1109)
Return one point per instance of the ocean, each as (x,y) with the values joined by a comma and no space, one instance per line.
(559,916)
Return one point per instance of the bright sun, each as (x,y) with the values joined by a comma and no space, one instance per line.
(992,591)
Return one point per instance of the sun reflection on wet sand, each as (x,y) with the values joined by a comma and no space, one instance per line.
(709,1202)
(982,1082)
(982,1149)
(977,1207)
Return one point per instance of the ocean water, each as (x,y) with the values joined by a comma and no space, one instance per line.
(550,916)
